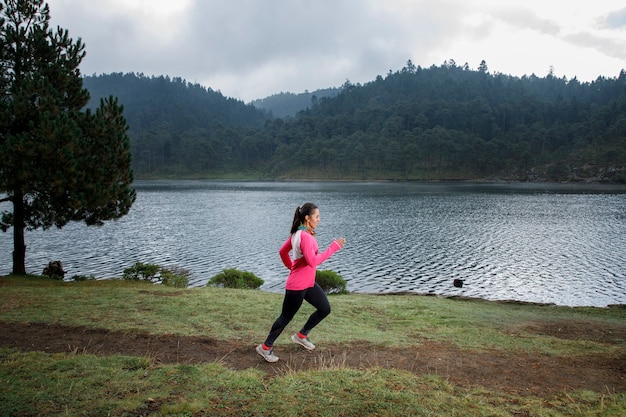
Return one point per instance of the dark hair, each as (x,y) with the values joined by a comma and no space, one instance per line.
(301,212)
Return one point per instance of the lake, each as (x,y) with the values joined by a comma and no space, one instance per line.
(546,243)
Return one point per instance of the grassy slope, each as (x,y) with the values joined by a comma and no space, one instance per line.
(66,384)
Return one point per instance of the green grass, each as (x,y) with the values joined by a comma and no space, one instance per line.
(41,384)
(80,384)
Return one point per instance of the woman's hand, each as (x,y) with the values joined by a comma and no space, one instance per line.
(341,241)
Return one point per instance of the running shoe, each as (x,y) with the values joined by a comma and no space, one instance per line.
(268,355)
(302,341)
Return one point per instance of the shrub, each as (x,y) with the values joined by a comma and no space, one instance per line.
(170,276)
(54,276)
(331,282)
(175,277)
(54,270)
(141,272)
(80,278)
(233,278)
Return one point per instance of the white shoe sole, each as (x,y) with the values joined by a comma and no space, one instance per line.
(259,350)
(296,339)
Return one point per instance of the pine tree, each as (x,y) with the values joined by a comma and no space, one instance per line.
(58,163)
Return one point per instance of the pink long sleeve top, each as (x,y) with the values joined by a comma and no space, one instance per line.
(305,259)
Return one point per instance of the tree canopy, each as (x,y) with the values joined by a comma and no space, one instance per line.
(442,122)
(58,162)
(285,105)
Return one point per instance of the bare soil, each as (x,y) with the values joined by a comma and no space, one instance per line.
(513,372)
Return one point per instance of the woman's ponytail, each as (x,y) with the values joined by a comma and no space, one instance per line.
(300,215)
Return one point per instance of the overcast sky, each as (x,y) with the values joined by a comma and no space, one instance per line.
(250,49)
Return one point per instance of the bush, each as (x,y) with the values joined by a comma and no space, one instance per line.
(233,278)
(81,278)
(175,277)
(54,270)
(170,276)
(331,282)
(141,272)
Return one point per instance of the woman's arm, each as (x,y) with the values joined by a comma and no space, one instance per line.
(309,248)
(284,253)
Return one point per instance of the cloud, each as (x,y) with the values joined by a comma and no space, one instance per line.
(616,19)
(286,43)
(250,49)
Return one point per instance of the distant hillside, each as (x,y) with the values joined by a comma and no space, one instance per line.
(150,102)
(289,104)
(445,122)
(177,128)
(453,122)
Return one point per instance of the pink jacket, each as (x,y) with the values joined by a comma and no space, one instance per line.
(306,259)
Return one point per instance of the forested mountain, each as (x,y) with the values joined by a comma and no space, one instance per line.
(151,102)
(445,122)
(453,122)
(285,105)
(177,128)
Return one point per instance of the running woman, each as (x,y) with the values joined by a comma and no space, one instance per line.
(301,283)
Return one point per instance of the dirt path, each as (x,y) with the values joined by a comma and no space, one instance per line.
(518,373)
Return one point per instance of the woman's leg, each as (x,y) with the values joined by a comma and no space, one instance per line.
(317,298)
(291,305)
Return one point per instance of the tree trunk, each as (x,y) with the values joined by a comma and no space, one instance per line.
(19,247)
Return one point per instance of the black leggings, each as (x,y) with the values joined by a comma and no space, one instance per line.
(291,304)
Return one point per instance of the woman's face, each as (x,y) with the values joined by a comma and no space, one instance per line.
(312,219)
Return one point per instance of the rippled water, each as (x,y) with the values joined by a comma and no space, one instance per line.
(561,244)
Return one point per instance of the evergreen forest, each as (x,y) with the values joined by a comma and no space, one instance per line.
(444,122)
(284,105)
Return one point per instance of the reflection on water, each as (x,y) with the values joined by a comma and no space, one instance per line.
(562,244)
